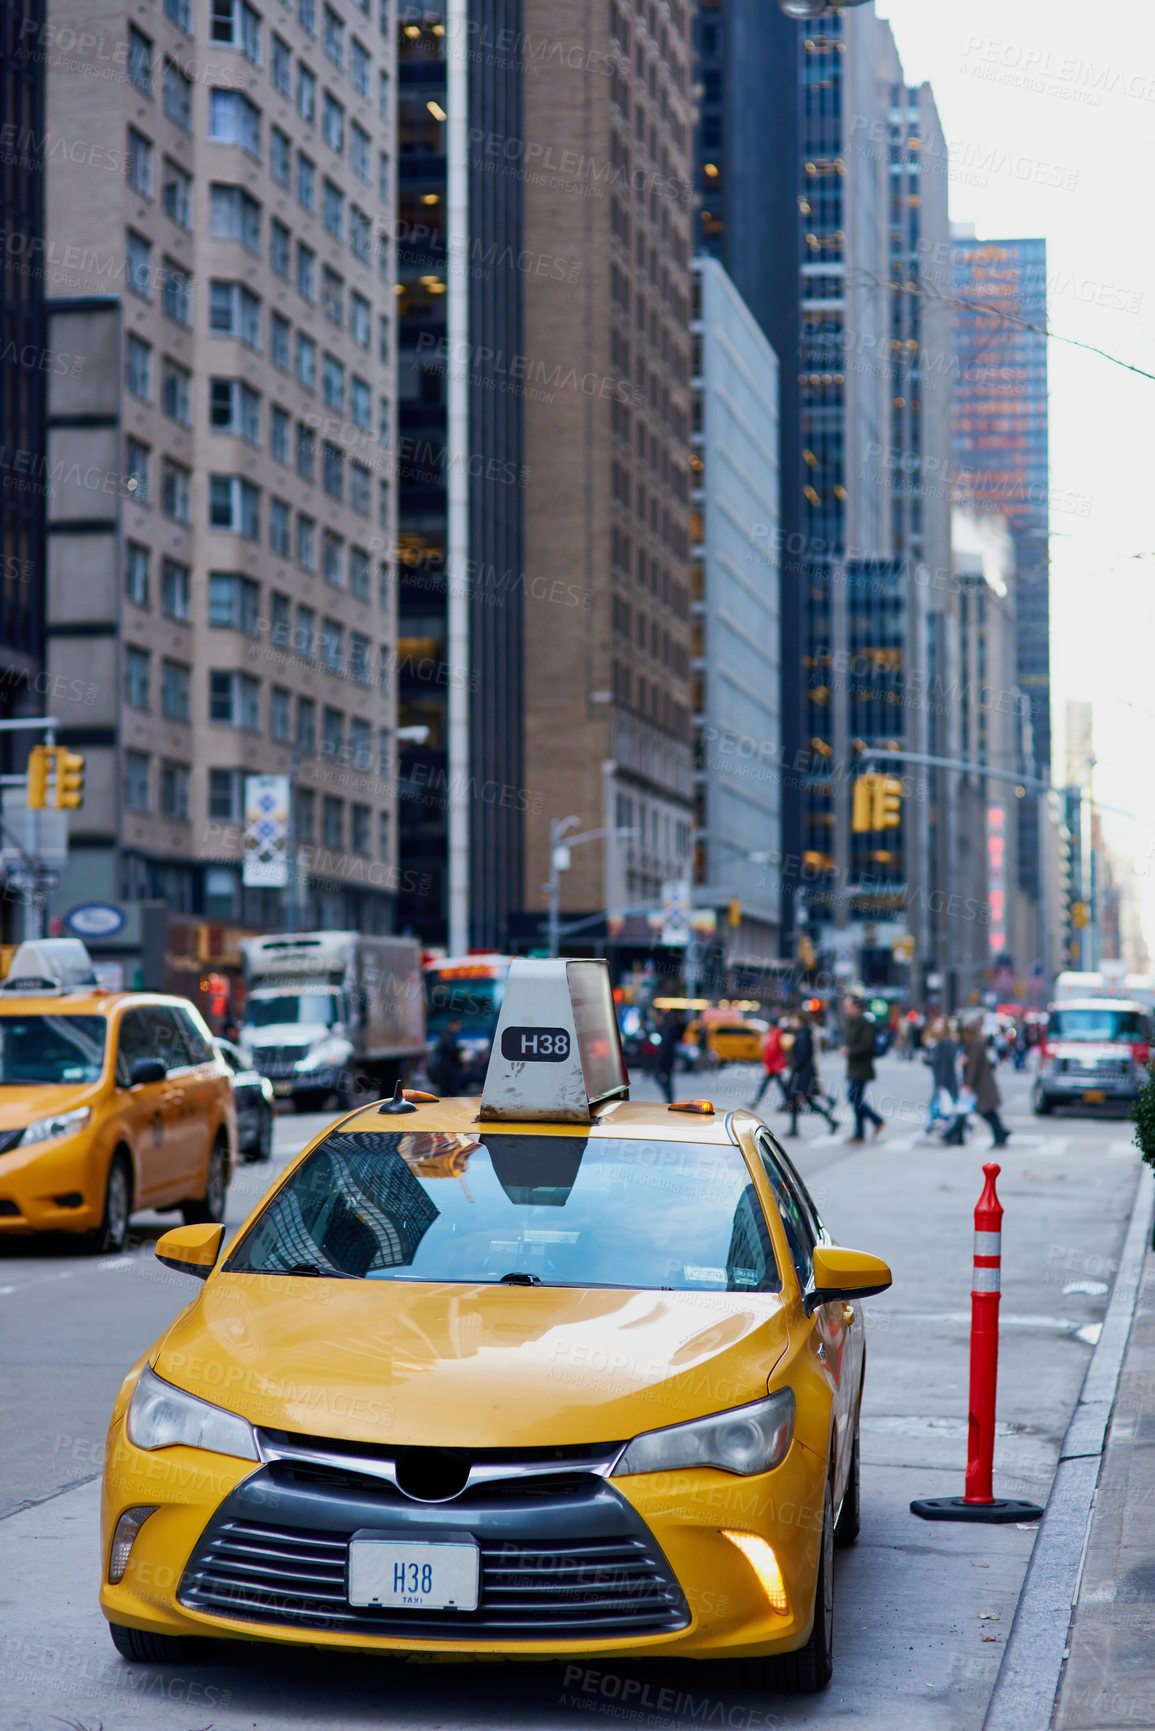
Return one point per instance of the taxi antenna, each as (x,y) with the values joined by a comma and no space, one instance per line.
(398,1103)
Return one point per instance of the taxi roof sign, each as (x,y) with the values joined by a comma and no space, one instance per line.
(557,1051)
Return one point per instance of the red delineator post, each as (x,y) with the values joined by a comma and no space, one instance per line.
(985,1294)
(980,1502)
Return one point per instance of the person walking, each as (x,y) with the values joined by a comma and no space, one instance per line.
(860,1068)
(803,1087)
(672,1030)
(773,1065)
(979,1077)
(943,1061)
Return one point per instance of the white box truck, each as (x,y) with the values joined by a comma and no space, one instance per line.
(332,1013)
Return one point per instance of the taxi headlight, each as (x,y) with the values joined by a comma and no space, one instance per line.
(747,1439)
(160,1415)
(56,1124)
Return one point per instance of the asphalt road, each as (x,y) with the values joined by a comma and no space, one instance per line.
(922,1611)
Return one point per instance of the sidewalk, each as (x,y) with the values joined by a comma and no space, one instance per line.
(1109,1677)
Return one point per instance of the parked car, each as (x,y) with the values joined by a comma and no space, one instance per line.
(254,1098)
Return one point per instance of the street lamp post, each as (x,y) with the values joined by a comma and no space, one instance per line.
(559,859)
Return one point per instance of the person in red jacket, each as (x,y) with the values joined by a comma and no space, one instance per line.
(774,1064)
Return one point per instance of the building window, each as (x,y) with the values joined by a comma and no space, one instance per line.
(174,690)
(359,485)
(332,647)
(306,543)
(138,270)
(383,504)
(306,182)
(333,735)
(233,119)
(234,602)
(137,678)
(225,795)
(360,743)
(306,362)
(333,382)
(306,452)
(177,99)
(383,343)
(332,296)
(360,658)
(279,620)
(359,320)
(359,67)
(279,527)
(138,368)
(279,249)
(361,403)
(359,233)
(174,784)
(359,573)
(176,294)
(235,701)
(280,157)
(235,22)
(306,272)
(279,433)
(235,504)
(136,562)
(334,38)
(281,67)
(234,311)
(279,342)
(175,585)
(138,163)
(306,804)
(359,152)
(176,491)
(136,779)
(279,714)
(383,95)
(137,465)
(176,194)
(333,209)
(333,559)
(235,407)
(176,392)
(333,123)
(306,724)
(332,821)
(306,93)
(333,471)
(234,215)
(359,832)
(140,60)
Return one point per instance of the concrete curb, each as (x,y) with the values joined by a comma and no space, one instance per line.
(1028,1679)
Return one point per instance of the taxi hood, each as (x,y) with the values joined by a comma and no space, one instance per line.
(469,1366)
(20,1105)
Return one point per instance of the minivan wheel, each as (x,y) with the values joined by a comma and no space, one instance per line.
(209,1208)
(111,1236)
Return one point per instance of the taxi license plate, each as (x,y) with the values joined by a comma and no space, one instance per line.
(282,1088)
(411,1574)
(1093,1097)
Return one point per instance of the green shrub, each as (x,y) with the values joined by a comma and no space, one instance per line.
(1143,1114)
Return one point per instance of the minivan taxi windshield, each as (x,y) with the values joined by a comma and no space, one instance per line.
(52,1049)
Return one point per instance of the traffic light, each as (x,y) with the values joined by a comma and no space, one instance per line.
(735,912)
(39,763)
(887,802)
(862,804)
(1080,915)
(69,779)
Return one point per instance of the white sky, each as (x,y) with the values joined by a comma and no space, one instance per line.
(1066,90)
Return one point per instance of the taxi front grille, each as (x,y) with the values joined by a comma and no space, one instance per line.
(570,1566)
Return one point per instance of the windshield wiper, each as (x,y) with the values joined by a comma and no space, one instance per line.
(319,1273)
(520,1280)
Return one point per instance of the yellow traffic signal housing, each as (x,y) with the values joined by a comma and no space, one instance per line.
(735,912)
(39,763)
(69,779)
(1080,915)
(862,804)
(887,802)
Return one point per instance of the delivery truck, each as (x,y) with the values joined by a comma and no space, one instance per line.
(332,1013)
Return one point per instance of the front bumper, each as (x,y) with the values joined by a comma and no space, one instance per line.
(1115,1086)
(32,1180)
(581,1566)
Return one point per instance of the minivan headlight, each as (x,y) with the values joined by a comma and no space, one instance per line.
(56,1124)
(160,1415)
(746,1439)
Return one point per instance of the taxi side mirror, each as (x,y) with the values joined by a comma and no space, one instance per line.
(191,1249)
(844,1274)
(147,1070)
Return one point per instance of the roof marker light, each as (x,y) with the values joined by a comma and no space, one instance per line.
(704,1108)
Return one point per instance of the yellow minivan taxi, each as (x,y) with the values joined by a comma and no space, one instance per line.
(109,1102)
(552,1374)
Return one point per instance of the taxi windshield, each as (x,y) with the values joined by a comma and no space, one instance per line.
(315,1009)
(570,1210)
(50,1049)
(1101,1025)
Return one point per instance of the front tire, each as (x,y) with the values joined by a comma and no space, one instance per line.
(849,1522)
(111,1236)
(1042,1105)
(207,1209)
(141,1648)
(264,1147)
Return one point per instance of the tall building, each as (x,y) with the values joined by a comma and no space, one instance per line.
(1001,455)
(221,509)
(605,161)
(24,368)
(494,460)
(736,630)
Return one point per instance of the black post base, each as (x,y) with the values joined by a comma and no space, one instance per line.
(958,1509)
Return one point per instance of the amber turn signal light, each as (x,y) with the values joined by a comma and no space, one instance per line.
(704,1108)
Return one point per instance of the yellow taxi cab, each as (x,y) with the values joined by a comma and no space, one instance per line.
(109,1102)
(728,1036)
(552,1374)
